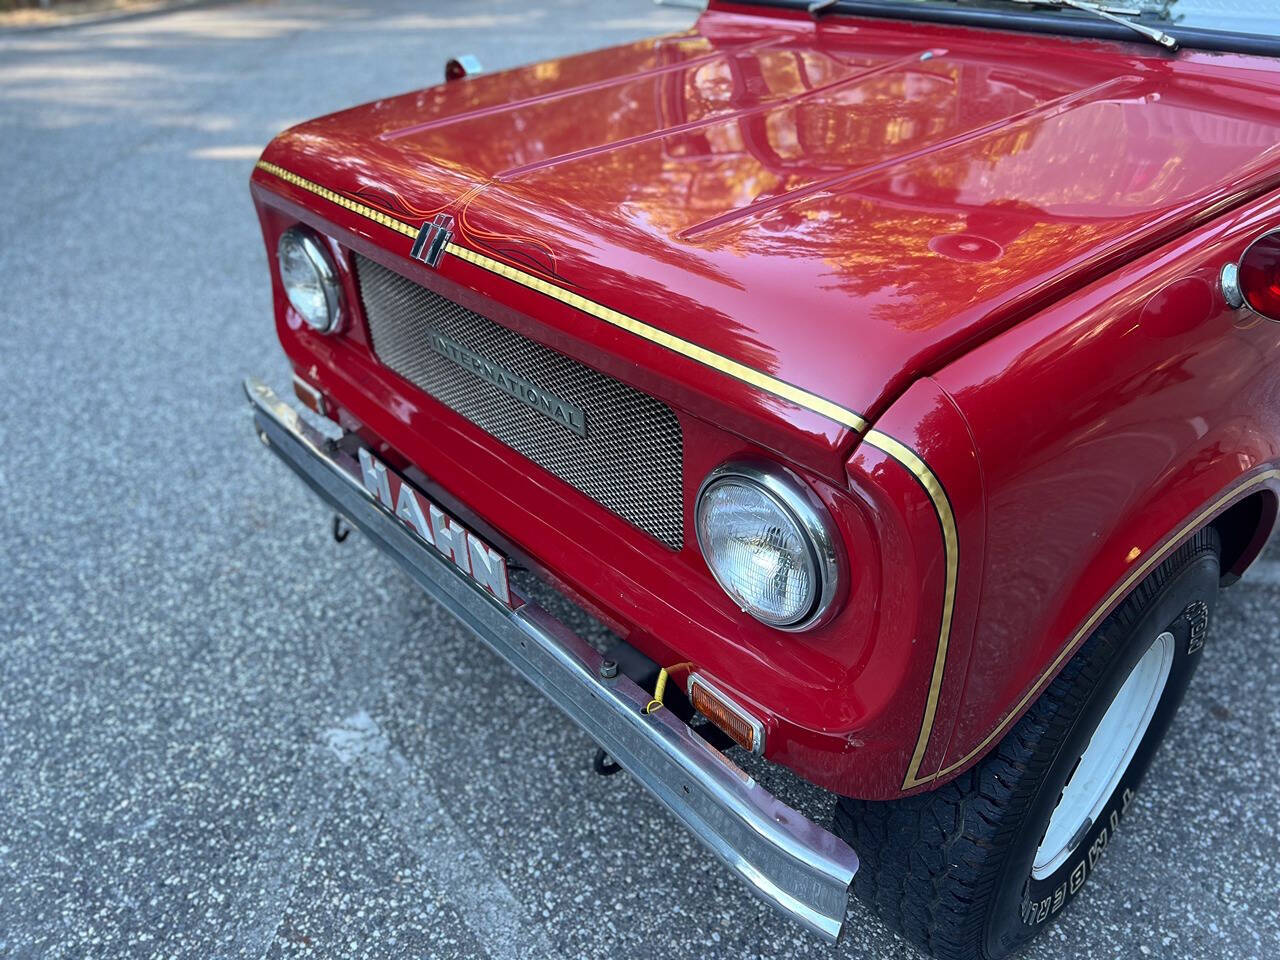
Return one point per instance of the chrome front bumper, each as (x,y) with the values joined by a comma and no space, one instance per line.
(787,860)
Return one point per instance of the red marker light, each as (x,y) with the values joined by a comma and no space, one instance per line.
(467,65)
(1259,276)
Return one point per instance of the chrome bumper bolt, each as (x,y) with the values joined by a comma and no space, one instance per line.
(608,669)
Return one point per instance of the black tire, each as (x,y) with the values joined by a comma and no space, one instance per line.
(950,869)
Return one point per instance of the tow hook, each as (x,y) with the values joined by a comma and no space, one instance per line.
(341,530)
(604,764)
(623,658)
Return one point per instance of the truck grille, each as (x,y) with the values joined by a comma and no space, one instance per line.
(631,459)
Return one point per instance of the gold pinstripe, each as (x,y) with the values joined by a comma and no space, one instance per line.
(779,388)
(763,381)
(353,205)
(1125,585)
(951,546)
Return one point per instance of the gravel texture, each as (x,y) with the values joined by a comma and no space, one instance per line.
(221,734)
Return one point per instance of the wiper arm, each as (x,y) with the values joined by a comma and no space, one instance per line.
(1105,12)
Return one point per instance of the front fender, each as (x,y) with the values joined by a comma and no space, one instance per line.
(919,472)
(1108,428)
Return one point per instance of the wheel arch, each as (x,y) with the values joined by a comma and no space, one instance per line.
(1242,510)
(1243,529)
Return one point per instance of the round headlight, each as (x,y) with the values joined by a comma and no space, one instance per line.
(310,280)
(767,539)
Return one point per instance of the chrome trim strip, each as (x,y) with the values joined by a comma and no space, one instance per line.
(785,859)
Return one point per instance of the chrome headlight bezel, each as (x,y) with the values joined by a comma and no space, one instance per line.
(796,500)
(315,254)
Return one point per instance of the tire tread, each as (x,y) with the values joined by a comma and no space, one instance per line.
(930,862)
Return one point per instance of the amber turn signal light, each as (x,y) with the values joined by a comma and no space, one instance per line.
(310,397)
(745,730)
(1254,282)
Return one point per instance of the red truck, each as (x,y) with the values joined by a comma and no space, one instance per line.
(895,380)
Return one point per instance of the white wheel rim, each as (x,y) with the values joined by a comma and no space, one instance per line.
(1106,757)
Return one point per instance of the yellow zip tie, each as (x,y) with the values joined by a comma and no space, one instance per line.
(659,689)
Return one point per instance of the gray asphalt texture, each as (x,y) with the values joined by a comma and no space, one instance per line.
(224,735)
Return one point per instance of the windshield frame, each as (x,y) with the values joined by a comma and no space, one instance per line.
(1061,23)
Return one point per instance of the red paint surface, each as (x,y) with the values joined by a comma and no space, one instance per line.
(817,201)
(1103,425)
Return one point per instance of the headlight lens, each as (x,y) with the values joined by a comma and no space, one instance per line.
(767,541)
(309,278)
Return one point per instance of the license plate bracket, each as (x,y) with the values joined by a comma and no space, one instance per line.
(485,566)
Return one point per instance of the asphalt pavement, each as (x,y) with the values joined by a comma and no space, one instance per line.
(224,735)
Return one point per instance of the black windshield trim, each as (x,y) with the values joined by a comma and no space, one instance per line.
(1196,38)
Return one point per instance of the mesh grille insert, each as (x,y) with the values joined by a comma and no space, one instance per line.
(631,459)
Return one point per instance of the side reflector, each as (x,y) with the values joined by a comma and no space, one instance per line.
(746,731)
(310,397)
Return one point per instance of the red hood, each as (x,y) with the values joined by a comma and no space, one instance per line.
(842,205)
